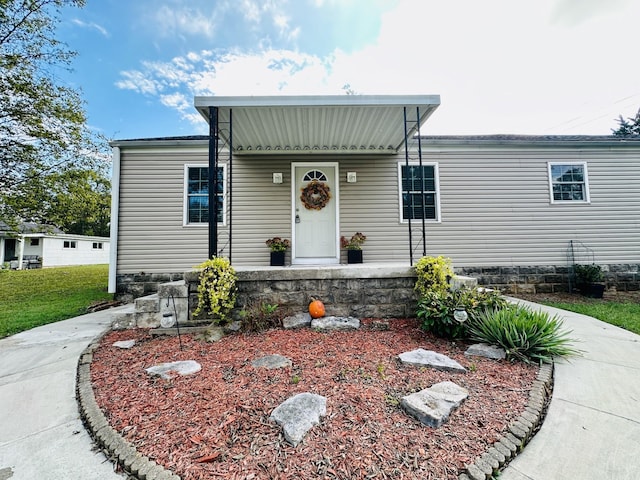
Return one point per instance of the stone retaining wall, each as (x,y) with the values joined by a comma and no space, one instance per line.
(380,291)
(548,278)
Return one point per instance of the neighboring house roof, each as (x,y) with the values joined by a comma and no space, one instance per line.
(30,228)
(318,124)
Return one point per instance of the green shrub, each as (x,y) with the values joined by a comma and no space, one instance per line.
(217,289)
(433,274)
(436,309)
(256,317)
(525,334)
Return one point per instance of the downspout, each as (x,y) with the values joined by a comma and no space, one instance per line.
(113,230)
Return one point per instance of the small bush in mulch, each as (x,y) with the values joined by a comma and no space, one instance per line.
(215,424)
(524,334)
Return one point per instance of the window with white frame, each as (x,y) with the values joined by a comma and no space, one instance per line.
(419,192)
(196,210)
(568,182)
(69,244)
(97,245)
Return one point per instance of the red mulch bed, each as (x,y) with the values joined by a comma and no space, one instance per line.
(215,423)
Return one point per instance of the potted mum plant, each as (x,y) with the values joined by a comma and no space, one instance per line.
(353,246)
(278,247)
(589,280)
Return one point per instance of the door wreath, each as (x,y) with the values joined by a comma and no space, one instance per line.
(315,195)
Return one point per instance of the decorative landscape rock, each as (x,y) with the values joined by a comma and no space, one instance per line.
(298,414)
(165,370)
(432,406)
(211,334)
(335,323)
(485,350)
(271,361)
(299,320)
(428,358)
(126,344)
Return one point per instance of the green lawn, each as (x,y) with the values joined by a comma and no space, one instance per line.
(29,298)
(625,315)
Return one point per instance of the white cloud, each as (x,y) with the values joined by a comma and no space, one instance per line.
(500,66)
(92,26)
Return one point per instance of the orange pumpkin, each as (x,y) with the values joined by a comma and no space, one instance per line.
(316,309)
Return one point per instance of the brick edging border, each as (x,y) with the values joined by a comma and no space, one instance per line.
(123,453)
(113,444)
(520,431)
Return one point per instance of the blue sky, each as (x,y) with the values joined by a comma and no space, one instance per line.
(500,66)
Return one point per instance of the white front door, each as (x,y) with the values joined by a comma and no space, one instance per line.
(315,213)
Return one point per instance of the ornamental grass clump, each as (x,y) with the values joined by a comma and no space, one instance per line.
(525,334)
(436,309)
(217,289)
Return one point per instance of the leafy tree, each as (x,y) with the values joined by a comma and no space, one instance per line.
(628,127)
(43,130)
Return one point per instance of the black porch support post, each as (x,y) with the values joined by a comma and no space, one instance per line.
(213,182)
(424,207)
(409,197)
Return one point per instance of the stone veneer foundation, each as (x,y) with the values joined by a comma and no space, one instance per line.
(374,282)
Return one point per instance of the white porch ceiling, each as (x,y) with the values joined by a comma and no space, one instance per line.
(318,124)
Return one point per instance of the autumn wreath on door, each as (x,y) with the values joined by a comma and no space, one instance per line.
(315,195)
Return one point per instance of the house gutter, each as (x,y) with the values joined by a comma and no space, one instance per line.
(115,207)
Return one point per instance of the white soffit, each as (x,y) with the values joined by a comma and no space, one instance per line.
(319,124)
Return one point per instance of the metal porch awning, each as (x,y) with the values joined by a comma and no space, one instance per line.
(319,124)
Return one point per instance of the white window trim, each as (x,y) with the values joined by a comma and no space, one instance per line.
(436,173)
(587,196)
(72,244)
(185,197)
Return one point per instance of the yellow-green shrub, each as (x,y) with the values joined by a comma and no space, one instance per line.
(433,274)
(217,289)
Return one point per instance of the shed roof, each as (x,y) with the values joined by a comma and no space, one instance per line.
(319,124)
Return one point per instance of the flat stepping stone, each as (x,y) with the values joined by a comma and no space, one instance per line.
(432,406)
(335,323)
(485,350)
(428,358)
(272,361)
(298,414)
(165,370)
(299,320)
(126,344)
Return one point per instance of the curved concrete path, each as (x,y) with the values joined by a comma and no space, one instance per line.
(591,432)
(592,427)
(41,434)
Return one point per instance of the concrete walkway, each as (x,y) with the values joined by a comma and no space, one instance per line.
(592,427)
(41,435)
(591,432)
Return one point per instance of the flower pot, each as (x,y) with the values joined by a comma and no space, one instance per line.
(277,259)
(354,256)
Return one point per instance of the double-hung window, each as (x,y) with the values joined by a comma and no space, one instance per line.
(568,182)
(197,195)
(419,192)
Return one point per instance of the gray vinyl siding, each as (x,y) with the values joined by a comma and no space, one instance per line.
(496,208)
(151,235)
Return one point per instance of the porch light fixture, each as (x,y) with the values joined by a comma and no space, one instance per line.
(277,177)
(460,314)
(351,177)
